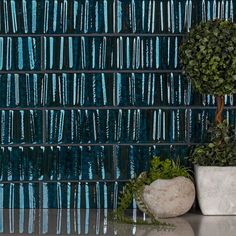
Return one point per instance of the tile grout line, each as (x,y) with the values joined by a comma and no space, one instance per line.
(38,35)
(115,147)
(93,71)
(115,107)
(64,181)
(43,111)
(188,127)
(43,128)
(97,144)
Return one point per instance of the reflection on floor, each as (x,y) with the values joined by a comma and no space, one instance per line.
(96,222)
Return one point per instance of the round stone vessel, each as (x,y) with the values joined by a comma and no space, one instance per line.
(166,198)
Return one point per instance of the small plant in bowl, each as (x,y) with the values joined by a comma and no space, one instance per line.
(208,57)
(147,189)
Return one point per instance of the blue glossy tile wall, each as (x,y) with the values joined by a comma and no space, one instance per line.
(90,90)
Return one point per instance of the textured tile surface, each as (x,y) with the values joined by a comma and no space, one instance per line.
(90,90)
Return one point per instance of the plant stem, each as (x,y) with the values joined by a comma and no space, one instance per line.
(219,110)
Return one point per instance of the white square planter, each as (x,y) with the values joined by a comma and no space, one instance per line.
(216,189)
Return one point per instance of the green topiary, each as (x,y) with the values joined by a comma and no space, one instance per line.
(221,151)
(208,58)
(166,169)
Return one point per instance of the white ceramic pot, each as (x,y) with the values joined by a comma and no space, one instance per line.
(216,189)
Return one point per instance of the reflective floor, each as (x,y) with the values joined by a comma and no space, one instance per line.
(96,222)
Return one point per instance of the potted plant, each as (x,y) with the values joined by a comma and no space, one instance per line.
(208,57)
(166,190)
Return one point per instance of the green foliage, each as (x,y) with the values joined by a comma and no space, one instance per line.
(208,57)
(166,169)
(221,151)
(159,169)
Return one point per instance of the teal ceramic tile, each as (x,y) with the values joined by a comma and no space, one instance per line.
(209,100)
(133,160)
(19,195)
(215,9)
(129,125)
(80,195)
(20,16)
(17,164)
(20,53)
(37,90)
(152,89)
(200,120)
(61,53)
(111,53)
(149,16)
(21,90)
(56,163)
(78,90)
(122,16)
(20,126)
(83,16)
(151,52)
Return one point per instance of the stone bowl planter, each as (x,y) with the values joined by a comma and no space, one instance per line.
(166,198)
(216,189)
